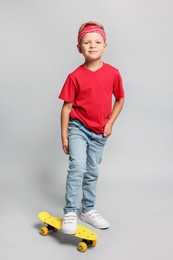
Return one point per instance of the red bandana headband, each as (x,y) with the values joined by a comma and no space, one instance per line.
(91,29)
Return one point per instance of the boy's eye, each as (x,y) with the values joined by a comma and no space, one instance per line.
(88,42)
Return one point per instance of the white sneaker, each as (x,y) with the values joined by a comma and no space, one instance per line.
(69,223)
(95,219)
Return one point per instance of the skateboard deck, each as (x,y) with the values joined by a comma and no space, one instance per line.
(89,238)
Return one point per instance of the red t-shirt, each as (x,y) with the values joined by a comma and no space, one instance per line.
(91,94)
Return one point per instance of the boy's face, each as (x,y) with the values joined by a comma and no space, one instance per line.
(92,46)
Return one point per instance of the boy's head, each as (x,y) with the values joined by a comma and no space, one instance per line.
(91,27)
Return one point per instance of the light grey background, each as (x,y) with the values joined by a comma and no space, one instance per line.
(37,51)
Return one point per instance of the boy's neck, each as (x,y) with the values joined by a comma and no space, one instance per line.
(94,65)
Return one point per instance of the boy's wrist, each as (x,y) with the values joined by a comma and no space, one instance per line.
(110,122)
(64,136)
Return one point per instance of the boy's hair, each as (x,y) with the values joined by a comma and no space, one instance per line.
(90,23)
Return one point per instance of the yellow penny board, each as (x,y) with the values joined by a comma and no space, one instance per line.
(88,237)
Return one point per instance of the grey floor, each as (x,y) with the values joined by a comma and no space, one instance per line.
(140,214)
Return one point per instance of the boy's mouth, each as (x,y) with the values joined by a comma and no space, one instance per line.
(92,52)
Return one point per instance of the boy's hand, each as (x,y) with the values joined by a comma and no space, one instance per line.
(65,145)
(107,129)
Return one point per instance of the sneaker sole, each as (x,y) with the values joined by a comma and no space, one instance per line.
(68,232)
(103,228)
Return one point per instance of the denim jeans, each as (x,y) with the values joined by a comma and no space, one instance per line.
(85,155)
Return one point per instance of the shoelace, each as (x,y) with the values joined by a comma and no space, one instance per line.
(95,215)
(69,219)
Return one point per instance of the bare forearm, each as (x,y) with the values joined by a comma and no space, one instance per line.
(118,105)
(65,114)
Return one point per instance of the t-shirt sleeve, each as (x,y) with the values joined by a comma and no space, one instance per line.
(118,89)
(68,90)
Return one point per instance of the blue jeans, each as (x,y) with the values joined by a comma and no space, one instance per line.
(85,155)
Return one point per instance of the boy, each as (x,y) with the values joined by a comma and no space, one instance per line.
(87,118)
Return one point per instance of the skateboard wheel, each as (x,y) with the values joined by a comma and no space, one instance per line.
(93,243)
(44,231)
(82,247)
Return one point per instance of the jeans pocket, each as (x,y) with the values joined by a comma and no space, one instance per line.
(101,139)
(71,124)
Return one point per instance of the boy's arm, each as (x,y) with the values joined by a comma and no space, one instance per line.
(118,105)
(65,113)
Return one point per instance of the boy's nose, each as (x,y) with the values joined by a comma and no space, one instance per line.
(92,45)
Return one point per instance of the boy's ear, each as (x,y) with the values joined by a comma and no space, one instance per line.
(79,48)
(105,46)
